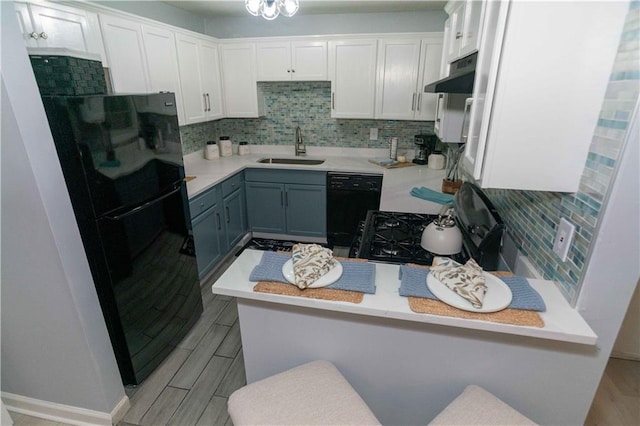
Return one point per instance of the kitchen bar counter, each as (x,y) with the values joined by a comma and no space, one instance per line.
(395,186)
(407,366)
(562,322)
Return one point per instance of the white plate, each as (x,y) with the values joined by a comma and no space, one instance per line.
(329,278)
(497,298)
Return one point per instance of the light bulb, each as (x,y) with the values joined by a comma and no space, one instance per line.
(288,8)
(270,10)
(253,6)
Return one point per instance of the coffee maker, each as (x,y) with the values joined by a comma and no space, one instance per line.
(425,145)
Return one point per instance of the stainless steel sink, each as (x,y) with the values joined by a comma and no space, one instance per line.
(303,161)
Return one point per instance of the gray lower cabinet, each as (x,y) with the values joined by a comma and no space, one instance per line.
(208,234)
(275,204)
(218,221)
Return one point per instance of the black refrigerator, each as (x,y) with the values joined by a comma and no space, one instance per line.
(122,162)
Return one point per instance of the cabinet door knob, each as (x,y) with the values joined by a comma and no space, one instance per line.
(34,35)
(458,35)
(288,70)
(293,70)
(43,35)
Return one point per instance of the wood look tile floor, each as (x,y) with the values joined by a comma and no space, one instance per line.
(192,385)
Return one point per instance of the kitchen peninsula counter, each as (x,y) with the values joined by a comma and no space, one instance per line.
(408,366)
(396,183)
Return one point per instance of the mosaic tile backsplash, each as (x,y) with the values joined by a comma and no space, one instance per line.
(308,105)
(532,217)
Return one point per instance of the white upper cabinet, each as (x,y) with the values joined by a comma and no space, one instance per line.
(465,18)
(162,63)
(352,71)
(58,26)
(404,67)
(198,64)
(125,49)
(241,98)
(297,61)
(398,63)
(531,127)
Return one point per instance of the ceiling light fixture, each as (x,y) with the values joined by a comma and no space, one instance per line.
(271,9)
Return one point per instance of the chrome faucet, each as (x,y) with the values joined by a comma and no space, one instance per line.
(299,145)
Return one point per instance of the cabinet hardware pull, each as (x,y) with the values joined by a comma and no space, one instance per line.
(218,218)
(281,199)
(333,100)
(288,70)
(458,35)
(467,108)
(34,35)
(204,100)
(286,199)
(293,70)
(208,103)
(419,101)
(43,35)
(413,102)
(440,97)
(228,215)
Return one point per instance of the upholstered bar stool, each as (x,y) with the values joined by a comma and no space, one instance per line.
(311,394)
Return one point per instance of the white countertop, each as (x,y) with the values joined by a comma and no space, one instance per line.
(396,183)
(562,322)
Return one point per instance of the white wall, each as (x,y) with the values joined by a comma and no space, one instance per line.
(55,345)
(356,23)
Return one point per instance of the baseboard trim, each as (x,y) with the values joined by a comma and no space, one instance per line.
(625,355)
(64,413)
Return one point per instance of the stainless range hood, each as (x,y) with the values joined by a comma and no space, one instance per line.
(460,80)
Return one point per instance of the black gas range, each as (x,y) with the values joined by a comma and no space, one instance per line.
(394,237)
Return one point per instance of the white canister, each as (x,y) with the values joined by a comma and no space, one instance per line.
(243,148)
(436,161)
(226,148)
(211,150)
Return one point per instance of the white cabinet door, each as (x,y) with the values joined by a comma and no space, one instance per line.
(58,26)
(446,42)
(352,71)
(162,63)
(273,61)
(473,12)
(284,61)
(430,68)
(194,101)
(456,17)
(309,60)
(240,92)
(125,49)
(398,63)
(210,73)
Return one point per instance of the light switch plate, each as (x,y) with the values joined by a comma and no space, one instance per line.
(373,134)
(564,236)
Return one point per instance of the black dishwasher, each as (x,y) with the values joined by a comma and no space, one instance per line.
(349,197)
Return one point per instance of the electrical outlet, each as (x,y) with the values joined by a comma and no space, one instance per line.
(564,236)
(373,134)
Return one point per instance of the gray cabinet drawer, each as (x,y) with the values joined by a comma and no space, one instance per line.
(231,184)
(204,201)
(285,176)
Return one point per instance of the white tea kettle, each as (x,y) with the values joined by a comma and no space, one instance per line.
(442,236)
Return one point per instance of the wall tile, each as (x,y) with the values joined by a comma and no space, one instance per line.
(308,105)
(532,216)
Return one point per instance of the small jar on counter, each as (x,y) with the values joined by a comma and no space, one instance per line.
(226,148)
(211,150)
(243,148)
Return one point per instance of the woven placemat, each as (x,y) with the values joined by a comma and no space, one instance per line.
(313,293)
(421,305)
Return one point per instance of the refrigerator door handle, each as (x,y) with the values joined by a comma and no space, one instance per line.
(176,188)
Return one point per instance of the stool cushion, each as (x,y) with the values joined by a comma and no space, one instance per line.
(476,406)
(311,394)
